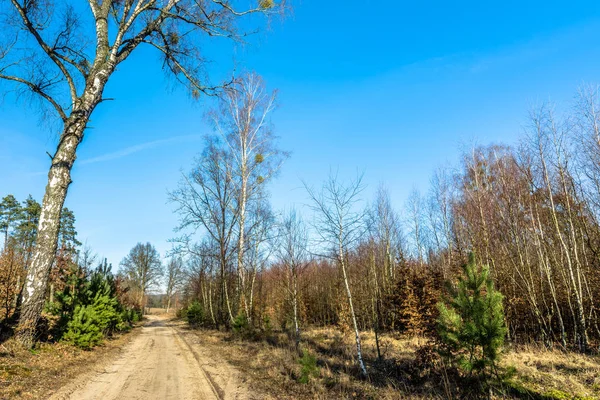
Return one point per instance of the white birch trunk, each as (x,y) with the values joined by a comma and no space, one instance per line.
(352,314)
(59,179)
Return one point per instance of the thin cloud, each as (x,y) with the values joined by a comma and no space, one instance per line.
(137,148)
(130,150)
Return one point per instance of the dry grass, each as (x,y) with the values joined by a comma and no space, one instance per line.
(273,367)
(34,374)
(555,374)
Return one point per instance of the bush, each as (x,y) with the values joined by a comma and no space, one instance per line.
(471,326)
(195,314)
(135,316)
(182,313)
(241,327)
(89,308)
(127,318)
(91,322)
(240,324)
(130,315)
(309,367)
(83,330)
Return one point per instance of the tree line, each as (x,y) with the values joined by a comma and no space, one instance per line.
(528,211)
(60,55)
(85,300)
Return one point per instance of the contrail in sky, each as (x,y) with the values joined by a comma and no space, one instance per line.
(131,150)
(137,148)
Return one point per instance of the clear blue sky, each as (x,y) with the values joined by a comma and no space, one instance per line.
(389,88)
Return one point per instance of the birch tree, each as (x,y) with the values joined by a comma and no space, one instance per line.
(293,254)
(339,224)
(384,226)
(259,246)
(440,216)
(415,221)
(587,136)
(202,273)
(383,246)
(547,137)
(63,53)
(243,121)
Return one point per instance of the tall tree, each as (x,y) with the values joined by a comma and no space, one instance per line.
(175,276)
(67,235)
(64,54)
(440,217)
(340,225)
(293,254)
(206,200)
(143,269)
(259,246)
(243,120)
(27,228)
(384,248)
(548,136)
(415,221)
(10,210)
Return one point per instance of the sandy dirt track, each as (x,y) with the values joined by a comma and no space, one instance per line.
(158,364)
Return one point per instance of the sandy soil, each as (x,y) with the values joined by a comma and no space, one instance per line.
(159,364)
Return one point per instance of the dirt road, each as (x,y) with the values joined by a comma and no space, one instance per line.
(158,364)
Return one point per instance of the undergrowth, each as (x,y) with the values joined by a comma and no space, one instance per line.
(410,368)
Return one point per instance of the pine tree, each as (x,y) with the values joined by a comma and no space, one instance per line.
(91,322)
(26,230)
(89,307)
(10,211)
(429,295)
(471,325)
(67,235)
(405,301)
(408,306)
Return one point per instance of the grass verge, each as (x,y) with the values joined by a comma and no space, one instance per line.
(37,373)
(325,368)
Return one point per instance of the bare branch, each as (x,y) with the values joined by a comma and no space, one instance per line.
(38,90)
(49,51)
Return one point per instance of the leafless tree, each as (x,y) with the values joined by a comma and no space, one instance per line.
(64,52)
(440,216)
(384,225)
(587,143)
(292,252)
(384,244)
(547,135)
(202,272)
(175,278)
(259,247)
(243,121)
(340,224)
(206,200)
(143,269)
(415,208)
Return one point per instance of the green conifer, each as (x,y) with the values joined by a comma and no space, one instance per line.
(471,324)
(10,211)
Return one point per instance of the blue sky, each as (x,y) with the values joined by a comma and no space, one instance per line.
(391,89)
